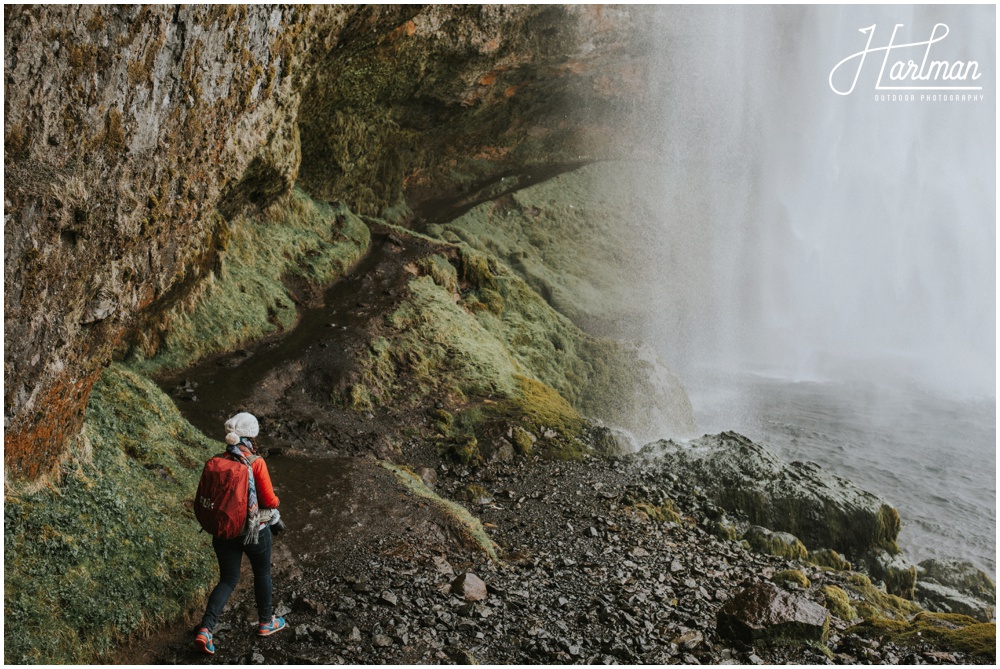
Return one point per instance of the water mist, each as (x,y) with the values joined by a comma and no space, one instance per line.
(827,262)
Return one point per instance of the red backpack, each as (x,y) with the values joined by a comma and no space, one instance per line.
(220,504)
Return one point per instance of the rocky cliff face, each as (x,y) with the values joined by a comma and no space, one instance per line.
(134,136)
(125,127)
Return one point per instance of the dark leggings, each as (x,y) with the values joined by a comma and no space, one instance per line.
(230,554)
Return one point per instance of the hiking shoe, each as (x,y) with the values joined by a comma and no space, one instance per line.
(203,640)
(275,625)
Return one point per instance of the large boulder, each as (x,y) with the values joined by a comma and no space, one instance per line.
(955,586)
(765,612)
(823,510)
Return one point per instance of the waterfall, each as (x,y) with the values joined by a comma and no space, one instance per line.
(825,236)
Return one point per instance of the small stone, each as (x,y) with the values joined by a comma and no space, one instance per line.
(257,658)
(388,598)
(355,635)
(428,476)
(690,640)
(469,587)
(381,640)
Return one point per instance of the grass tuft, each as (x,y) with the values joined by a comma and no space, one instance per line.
(471,526)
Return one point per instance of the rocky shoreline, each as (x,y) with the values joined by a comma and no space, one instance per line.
(606,560)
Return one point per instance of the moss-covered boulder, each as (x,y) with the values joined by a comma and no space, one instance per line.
(781,544)
(950,585)
(791,578)
(829,558)
(872,602)
(839,603)
(749,480)
(893,569)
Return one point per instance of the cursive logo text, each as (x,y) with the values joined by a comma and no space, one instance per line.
(911,75)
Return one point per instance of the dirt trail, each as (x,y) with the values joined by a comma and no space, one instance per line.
(341,511)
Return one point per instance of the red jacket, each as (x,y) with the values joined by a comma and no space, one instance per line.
(266,499)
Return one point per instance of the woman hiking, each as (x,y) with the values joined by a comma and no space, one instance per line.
(252,538)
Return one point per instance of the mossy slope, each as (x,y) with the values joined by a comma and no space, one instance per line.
(113,548)
(474,330)
(247,297)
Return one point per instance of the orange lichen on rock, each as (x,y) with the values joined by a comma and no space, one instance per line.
(407,29)
(34,447)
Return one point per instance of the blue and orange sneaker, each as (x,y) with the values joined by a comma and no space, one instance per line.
(203,640)
(276,624)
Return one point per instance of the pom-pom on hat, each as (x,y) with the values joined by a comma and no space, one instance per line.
(241,425)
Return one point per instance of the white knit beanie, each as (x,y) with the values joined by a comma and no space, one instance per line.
(241,425)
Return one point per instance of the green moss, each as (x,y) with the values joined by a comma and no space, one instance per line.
(474,493)
(791,576)
(523,440)
(543,407)
(944,631)
(828,558)
(463,448)
(442,271)
(472,528)
(443,421)
(361,399)
(780,544)
(859,579)
(663,513)
(901,582)
(723,529)
(246,298)
(872,602)
(112,550)
(838,603)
